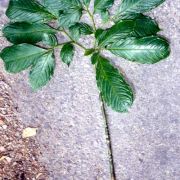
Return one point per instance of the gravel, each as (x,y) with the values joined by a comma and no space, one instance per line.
(18,156)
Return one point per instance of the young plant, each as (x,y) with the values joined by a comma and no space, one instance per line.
(133,37)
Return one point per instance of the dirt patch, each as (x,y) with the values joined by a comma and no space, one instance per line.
(18,156)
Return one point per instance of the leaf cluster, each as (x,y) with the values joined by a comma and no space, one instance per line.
(133,36)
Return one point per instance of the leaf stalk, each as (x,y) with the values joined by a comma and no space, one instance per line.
(92,18)
(72,40)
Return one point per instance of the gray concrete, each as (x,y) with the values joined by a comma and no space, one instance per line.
(146,141)
(68,113)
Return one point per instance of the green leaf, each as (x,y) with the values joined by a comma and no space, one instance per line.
(146,50)
(69,17)
(105,16)
(54,6)
(86,2)
(50,39)
(89,52)
(70,12)
(30,11)
(100,34)
(139,27)
(144,26)
(131,8)
(101,7)
(23,32)
(19,57)
(114,89)
(67,53)
(42,71)
(80,29)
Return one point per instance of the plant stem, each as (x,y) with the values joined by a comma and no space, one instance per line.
(61,44)
(72,40)
(106,122)
(92,18)
(94,24)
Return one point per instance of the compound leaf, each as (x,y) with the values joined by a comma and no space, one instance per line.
(67,53)
(146,50)
(23,32)
(42,71)
(131,8)
(133,38)
(19,57)
(30,11)
(114,89)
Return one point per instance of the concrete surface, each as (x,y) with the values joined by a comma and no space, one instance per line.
(146,141)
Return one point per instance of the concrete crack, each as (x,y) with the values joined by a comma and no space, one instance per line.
(108,141)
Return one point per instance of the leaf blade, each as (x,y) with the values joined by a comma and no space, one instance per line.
(114,89)
(71,13)
(146,50)
(138,27)
(30,11)
(20,57)
(101,7)
(80,29)
(67,53)
(69,17)
(86,2)
(54,6)
(50,40)
(131,8)
(23,32)
(42,71)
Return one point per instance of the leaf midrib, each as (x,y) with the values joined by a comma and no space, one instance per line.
(32,55)
(31,32)
(121,12)
(45,61)
(33,11)
(120,49)
(109,81)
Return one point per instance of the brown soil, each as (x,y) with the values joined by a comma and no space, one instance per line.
(18,156)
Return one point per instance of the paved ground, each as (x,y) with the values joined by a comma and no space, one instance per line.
(71,134)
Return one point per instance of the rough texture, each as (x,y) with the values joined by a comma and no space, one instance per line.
(18,155)
(68,114)
(146,141)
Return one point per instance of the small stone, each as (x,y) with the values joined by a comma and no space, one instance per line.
(29,132)
(1,122)
(5,158)
(2,149)
(4,126)
(39,175)
(8,159)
